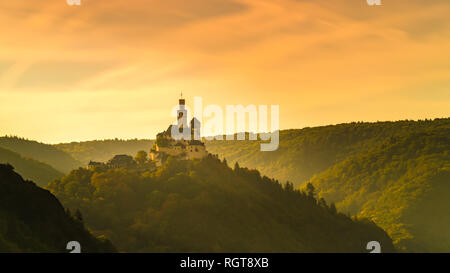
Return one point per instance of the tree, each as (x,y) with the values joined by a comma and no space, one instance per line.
(333,209)
(78,216)
(225,162)
(322,203)
(141,157)
(310,190)
(289,186)
(121,161)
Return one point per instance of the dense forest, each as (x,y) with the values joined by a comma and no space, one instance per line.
(31,169)
(403,185)
(395,173)
(305,152)
(45,153)
(205,206)
(103,150)
(33,220)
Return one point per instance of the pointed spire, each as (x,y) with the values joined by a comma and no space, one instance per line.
(181,100)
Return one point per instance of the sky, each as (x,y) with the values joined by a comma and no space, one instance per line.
(108,69)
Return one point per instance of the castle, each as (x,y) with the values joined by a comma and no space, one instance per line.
(186,144)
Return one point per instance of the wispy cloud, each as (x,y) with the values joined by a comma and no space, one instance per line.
(298,53)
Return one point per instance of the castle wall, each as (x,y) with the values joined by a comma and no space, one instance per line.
(196,151)
(172,150)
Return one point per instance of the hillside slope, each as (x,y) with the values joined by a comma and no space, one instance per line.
(29,168)
(395,173)
(204,206)
(33,220)
(48,154)
(305,152)
(403,186)
(102,150)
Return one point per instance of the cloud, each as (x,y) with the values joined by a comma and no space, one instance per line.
(4,65)
(304,55)
(172,40)
(58,74)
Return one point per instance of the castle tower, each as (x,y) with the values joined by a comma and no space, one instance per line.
(182,113)
(187,146)
(195,129)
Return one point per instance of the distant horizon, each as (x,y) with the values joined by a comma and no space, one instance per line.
(154,137)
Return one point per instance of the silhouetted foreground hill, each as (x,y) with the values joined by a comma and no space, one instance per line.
(48,154)
(33,220)
(29,168)
(204,206)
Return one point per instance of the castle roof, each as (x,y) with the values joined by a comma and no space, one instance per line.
(94,163)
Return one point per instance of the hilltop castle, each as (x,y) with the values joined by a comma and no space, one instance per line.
(186,144)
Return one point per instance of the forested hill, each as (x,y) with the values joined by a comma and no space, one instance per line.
(29,168)
(404,186)
(102,150)
(205,206)
(306,152)
(48,154)
(33,220)
(395,173)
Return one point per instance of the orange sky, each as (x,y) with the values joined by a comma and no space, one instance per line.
(114,68)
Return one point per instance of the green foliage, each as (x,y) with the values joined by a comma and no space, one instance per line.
(141,157)
(310,190)
(29,168)
(162,141)
(306,152)
(204,206)
(102,150)
(403,185)
(395,173)
(121,161)
(33,220)
(45,153)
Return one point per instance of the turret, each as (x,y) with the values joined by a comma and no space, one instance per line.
(182,114)
(195,129)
